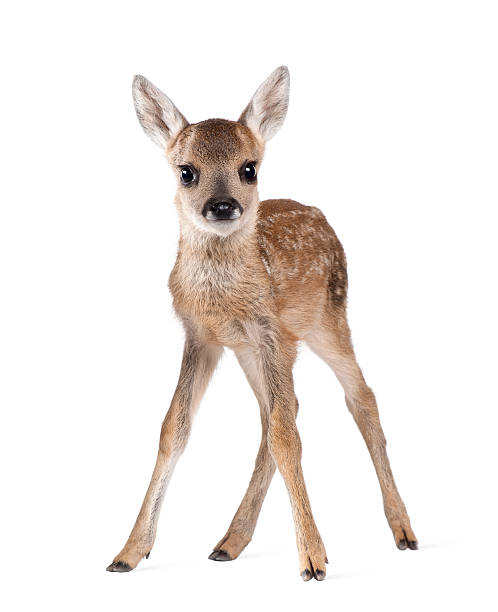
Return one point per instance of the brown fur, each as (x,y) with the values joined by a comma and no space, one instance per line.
(275,277)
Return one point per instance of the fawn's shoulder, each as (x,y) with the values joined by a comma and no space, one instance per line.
(290,226)
(286,217)
(299,247)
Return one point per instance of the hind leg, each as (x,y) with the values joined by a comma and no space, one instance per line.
(332,342)
(242,527)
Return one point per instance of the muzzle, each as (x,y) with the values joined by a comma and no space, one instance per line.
(226,209)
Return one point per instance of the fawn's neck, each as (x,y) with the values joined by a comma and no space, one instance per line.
(217,279)
(206,249)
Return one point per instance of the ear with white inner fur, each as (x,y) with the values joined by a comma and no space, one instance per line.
(159,117)
(266,111)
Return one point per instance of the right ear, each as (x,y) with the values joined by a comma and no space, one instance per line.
(266,110)
(158,116)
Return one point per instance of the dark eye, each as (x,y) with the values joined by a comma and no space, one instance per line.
(187,175)
(250,171)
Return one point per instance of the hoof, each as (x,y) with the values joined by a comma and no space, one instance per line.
(317,575)
(405,538)
(220,555)
(404,543)
(119,566)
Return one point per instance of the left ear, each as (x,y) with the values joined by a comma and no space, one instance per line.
(158,116)
(266,111)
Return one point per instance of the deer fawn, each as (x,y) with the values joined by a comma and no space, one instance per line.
(257,277)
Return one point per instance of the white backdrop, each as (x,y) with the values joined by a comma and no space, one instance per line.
(392,131)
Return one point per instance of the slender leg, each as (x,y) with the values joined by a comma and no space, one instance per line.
(334,346)
(242,527)
(199,362)
(277,358)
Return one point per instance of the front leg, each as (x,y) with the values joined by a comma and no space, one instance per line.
(277,358)
(199,362)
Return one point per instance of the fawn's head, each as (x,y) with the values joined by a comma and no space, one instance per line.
(216,161)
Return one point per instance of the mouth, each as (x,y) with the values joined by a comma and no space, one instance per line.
(222,211)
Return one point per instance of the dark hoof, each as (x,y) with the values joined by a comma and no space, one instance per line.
(402,544)
(119,566)
(306,575)
(220,555)
(413,545)
(319,575)
(147,555)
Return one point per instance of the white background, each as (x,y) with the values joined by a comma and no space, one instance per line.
(392,131)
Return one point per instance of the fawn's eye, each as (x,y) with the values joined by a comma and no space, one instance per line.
(249,171)
(187,175)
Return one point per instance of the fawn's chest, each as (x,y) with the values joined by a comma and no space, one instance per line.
(217,297)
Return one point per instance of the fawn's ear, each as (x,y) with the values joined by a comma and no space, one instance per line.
(266,111)
(159,117)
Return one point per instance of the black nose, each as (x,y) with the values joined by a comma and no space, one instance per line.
(227,208)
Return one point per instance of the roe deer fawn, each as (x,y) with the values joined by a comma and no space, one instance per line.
(257,277)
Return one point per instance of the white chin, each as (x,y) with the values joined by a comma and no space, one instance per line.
(219,227)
